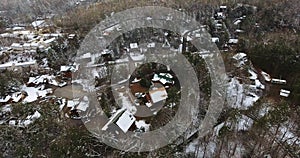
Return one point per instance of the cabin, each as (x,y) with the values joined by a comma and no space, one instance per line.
(284,93)
(240,59)
(278,81)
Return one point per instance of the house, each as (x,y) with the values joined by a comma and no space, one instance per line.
(266,76)
(164,78)
(122,118)
(215,39)
(71,36)
(233,41)
(17,47)
(133,46)
(39,24)
(125,121)
(284,93)
(278,81)
(240,59)
(158,94)
(223,8)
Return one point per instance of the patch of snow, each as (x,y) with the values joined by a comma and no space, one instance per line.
(142,124)
(244,123)
(266,76)
(253,75)
(126,103)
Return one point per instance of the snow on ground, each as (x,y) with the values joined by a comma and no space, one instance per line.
(126,103)
(142,124)
(51,79)
(84,104)
(34,93)
(123,60)
(15,63)
(253,75)
(202,150)
(286,135)
(24,123)
(244,123)
(238,96)
(249,100)
(6,108)
(137,57)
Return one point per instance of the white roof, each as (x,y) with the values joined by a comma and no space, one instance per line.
(49,40)
(220,13)
(253,74)
(151,45)
(278,81)
(16,45)
(233,41)
(142,123)
(125,121)
(72,68)
(161,77)
(134,45)
(284,93)
(223,6)
(215,39)
(239,56)
(5,99)
(237,22)
(158,94)
(266,76)
(259,84)
(38,23)
(84,104)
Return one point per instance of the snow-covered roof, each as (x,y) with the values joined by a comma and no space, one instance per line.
(164,78)
(151,45)
(71,36)
(236,22)
(50,40)
(84,104)
(284,93)
(137,57)
(158,94)
(258,84)
(142,124)
(266,76)
(125,121)
(34,93)
(220,14)
(38,23)
(253,75)
(215,39)
(18,28)
(244,123)
(16,45)
(5,99)
(50,79)
(233,41)
(72,68)
(239,56)
(279,81)
(133,45)
(10,64)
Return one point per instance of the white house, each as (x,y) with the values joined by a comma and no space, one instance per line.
(278,81)
(240,59)
(125,121)
(284,93)
(158,94)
